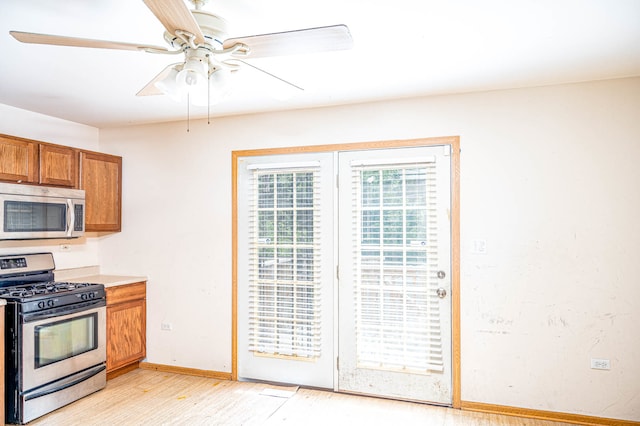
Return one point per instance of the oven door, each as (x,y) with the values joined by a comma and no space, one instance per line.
(62,341)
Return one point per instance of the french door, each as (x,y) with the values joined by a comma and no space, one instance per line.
(286,269)
(344,271)
(395,269)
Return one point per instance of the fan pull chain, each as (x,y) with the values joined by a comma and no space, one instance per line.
(188,116)
(208,95)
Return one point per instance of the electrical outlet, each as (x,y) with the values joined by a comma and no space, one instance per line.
(600,364)
(166,326)
(65,247)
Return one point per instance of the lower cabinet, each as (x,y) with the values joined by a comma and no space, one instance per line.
(126,327)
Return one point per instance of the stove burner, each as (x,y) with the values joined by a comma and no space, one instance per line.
(41,289)
(16,293)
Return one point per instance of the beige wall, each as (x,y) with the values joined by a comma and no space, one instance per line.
(549,179)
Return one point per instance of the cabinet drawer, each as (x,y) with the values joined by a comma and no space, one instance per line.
(126,293)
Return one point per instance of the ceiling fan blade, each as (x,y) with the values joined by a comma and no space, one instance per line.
(151,89)
(80,42)
(175,15)
(310,40)
(282,80)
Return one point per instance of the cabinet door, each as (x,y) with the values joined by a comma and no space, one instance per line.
(126,333)
(126,324)
(18,160)
(101,178)
(58,165)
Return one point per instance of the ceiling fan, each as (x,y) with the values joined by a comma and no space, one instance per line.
(209,57)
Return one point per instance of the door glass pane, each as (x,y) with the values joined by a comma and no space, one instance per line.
(393,329)
(392,187)
(284,300)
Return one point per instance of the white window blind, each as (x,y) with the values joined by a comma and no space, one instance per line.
(395,235)
(284,275)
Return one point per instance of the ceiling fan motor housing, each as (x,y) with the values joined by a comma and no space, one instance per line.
(203,55)
(213,27)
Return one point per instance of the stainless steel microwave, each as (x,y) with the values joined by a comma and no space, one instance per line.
(30,212)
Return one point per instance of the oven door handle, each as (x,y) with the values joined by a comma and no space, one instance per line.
(64,310)
(65,383)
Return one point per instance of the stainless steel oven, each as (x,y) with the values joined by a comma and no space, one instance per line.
(55,336)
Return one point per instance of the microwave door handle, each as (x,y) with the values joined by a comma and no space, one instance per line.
(71,217)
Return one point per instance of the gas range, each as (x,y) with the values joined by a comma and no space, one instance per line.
(55,337)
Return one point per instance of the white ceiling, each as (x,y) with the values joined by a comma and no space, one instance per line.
(402,48)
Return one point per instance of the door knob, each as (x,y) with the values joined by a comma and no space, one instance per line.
(441,293)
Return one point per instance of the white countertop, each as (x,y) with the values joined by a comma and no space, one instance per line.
(108,280)
(91,274)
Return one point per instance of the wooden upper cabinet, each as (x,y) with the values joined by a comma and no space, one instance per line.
(100,175)
(18,160)
(101,179)
(58,165)
(27,161)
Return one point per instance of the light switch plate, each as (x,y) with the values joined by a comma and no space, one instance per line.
(479,246)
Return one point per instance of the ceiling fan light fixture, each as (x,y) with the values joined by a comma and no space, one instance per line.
(219,80)
(219,89)
(193,76)
(169,85)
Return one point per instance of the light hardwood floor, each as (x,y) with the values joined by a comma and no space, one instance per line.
(145,397)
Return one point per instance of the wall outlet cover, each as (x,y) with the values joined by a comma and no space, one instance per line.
(600,364)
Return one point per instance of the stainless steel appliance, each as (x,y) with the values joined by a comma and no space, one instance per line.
(55,337)
(36,212)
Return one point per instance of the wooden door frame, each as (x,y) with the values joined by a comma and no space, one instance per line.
(454,142)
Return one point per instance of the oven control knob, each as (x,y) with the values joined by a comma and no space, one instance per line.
(41,304)
(83,296)
(50,303)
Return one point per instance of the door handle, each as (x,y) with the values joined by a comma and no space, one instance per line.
(441,292)
(71,219)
